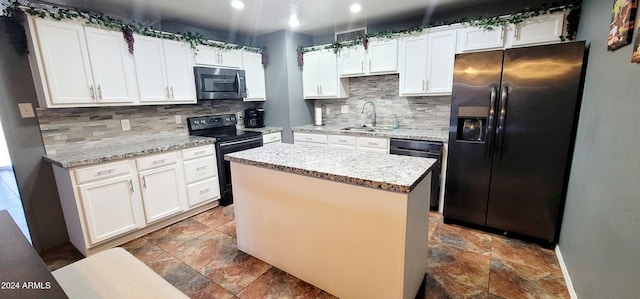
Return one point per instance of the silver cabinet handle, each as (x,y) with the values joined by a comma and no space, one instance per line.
(199,153)
(166,92)
(130,186)
(372,143)
(144,182)
(205,191)
(110,171)
(201,168)
(362,66)
(423,86)
(369,64)
(320,89)
(99,92)
(92,92)
(156,162)
(172,92)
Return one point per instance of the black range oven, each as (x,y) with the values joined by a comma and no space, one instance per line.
(228,140)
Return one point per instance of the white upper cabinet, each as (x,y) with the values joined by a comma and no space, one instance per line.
(381,57)
(542,29)
(165,71)
(320,76)
(80,66)
(476,38)
(211,56)
(254,73)
(426,63)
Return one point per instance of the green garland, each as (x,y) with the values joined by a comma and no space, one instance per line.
(15,11)
(488,23)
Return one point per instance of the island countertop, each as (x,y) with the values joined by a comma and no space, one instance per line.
(402,132)
(374,170)
(123,148)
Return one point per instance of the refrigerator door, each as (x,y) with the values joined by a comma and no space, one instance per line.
(535,130)
(476,83)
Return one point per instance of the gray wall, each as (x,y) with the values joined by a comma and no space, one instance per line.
(600,237)
(283,78)
(35,177)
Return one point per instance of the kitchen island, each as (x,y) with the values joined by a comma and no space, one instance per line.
(353,224)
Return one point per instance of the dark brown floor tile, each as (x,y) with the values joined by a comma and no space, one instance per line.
(509,282)
(142,249)
(435,217)
(179,274)
(461,238)
(459,270)
(203,250)
(278,284)
(511,251)
(228,229)
(325,295)
(174,235)
(233,269)
(434,289)
(210,290)
(431,229)
(216,217)
(61,256)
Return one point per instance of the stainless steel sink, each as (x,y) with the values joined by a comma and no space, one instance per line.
(359,129)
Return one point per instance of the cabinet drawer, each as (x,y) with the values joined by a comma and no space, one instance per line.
(197,152)
(199,169)
(93,173)
(157,160)
(313,138)
(271,137)
(342,140)
(368,142)
(199,192)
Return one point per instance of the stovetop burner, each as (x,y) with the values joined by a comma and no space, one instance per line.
(222,127)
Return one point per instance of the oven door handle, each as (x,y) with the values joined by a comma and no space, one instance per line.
(224,144)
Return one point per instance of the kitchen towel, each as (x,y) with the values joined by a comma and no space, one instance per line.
(318,116)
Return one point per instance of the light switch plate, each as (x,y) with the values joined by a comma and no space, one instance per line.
(178,119)
(126,126)
(26,110)
(344,109)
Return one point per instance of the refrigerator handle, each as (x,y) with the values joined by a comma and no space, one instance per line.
(492,111)
(504,96)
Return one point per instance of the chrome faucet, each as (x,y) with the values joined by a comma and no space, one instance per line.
(373,124)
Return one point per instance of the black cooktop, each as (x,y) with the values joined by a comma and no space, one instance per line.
(222,127)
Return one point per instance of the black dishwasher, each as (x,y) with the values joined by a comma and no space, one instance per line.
(424,149)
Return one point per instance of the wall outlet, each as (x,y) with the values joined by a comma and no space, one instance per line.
(26,110)
(126,126)
(178,119)
(344,109)
(328,110)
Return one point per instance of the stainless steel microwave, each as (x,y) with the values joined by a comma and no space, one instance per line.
(214,83)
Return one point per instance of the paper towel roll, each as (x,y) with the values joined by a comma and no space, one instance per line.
(318,116)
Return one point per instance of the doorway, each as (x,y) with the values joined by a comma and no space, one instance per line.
(9,193)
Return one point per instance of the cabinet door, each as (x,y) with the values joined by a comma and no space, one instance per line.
(328,74)
(440,58)
(538,30)
(476,38)
(231,58)
(383,56)
(351,61)
(150,69)
(254,73)
(112,66)
(179,68)
(162,192)
(111,207)
(66,62)
(413,65)
(311,74)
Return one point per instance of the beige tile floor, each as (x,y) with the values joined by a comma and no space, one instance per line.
(199,256)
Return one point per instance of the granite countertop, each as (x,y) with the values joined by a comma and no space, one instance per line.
(120,148)
(374,170)
(402,133)
(265,130)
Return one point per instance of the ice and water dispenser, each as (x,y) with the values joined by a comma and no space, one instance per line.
(472,124)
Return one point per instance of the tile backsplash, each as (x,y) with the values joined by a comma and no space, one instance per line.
(412,112)
(78,128)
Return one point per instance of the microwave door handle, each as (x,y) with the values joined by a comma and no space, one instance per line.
(237,84)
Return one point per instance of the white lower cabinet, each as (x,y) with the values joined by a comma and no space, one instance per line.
(275,137)
(108,204)
(319,140)
(372,144)
(201,175)
(342,141)
(356,143)
(111,207)
(163,190)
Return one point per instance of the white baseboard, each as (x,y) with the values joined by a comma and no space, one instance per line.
(565,273)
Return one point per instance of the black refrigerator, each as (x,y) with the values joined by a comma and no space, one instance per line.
(511,134)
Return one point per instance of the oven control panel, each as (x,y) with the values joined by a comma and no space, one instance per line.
(211,121)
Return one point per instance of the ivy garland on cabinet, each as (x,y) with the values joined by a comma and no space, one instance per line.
(16,18)
(488,23)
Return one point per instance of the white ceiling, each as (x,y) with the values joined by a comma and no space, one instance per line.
(264,16)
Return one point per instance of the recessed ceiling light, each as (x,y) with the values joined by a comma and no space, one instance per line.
(355,8)
(237,4)
(293,21)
